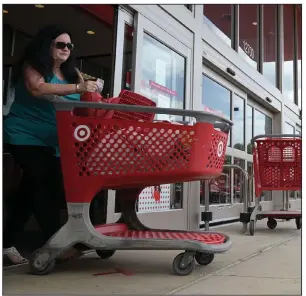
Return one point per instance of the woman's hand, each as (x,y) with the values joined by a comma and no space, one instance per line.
(87,86)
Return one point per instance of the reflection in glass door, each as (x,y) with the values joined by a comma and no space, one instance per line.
(162,75)
(216,99)
(220,188)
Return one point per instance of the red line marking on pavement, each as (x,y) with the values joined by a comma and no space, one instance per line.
(124,272)
(117,270)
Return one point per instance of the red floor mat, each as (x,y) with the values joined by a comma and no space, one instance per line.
(207,238)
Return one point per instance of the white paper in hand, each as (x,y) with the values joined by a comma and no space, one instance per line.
(100,85)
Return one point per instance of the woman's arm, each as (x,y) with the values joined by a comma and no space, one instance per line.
(37,86)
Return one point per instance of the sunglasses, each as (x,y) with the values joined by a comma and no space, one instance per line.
(63,45)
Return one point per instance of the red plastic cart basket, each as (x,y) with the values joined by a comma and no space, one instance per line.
(98,153)
(277,163)
(277,166)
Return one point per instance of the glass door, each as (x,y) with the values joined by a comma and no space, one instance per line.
(226,194)
(160,72)
(259,121)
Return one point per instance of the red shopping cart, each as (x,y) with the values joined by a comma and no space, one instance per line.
(127,156)
(277,161)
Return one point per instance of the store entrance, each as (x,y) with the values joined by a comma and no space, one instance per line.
(94,30)
(227,193)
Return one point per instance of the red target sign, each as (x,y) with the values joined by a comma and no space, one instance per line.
(220,149)
(82,133)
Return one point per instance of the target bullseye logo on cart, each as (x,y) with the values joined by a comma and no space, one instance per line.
(220,149)
(82,133)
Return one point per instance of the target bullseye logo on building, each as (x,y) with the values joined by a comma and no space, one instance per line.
(82,133)
(220,149)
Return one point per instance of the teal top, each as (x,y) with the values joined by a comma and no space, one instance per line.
(32,121)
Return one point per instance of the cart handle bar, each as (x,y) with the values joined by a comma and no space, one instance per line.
(275,136)
(201,116)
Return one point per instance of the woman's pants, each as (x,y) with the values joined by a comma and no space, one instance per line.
(40,193)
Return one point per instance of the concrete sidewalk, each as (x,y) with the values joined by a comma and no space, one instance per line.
(267,263)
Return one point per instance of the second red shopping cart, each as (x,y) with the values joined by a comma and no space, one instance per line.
(277,161)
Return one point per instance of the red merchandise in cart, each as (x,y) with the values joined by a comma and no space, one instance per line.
(277,161)
(127,152)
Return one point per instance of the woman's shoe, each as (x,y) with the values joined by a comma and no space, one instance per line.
(14,256)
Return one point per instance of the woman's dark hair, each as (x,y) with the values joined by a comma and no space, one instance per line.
(37,55)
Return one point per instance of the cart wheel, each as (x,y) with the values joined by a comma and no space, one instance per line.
(298,222)
(272,223)
(204,258)
(252,227)
(178,269)
(105,254)
(36,266)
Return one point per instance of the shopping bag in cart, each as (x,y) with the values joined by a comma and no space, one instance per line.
(95,112)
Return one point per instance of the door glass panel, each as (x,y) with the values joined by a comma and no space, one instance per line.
(289,129)
(270,34)
(288,63)
(163,74)
(249,128)
(248,36)
(299,194)
(238,181)
(251,181)
(220,188)
(218,17)
(216,99)
(266,196)
(127,58)
(238,119)
(262,123)
(299,52)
